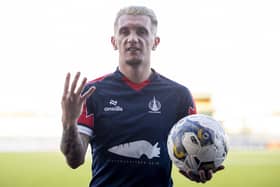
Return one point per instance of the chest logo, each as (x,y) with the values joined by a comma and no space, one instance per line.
(113,106)
(154,106)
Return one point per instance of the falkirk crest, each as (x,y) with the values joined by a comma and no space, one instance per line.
(154,106)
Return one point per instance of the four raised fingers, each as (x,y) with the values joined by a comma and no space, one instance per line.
(74,85)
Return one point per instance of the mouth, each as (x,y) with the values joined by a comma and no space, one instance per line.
(132,49)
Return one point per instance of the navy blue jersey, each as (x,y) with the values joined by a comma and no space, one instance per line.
(128,124)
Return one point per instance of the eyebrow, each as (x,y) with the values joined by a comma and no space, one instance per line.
(135,26)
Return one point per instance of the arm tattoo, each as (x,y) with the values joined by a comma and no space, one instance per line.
(73,147)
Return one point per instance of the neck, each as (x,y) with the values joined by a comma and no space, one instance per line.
(136,74)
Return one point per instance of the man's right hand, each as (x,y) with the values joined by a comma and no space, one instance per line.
(72,100)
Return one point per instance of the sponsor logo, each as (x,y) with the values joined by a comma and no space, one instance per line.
(136,149)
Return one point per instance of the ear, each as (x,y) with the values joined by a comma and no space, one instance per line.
(114,43)
(156,42)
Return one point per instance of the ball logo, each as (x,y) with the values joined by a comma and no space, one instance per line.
(154,106)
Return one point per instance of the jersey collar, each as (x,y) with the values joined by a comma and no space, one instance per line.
(136,86)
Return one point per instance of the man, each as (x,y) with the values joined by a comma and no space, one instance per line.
(126,116)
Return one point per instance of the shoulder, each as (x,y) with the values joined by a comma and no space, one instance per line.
(172,84)
(99,80)
(181,91)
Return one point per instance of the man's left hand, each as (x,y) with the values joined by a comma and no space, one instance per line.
(202,176)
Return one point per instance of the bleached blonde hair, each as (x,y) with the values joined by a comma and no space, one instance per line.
(135,11)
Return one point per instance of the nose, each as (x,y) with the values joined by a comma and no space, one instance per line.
(132,38)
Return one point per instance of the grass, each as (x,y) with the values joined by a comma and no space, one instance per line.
(248,169)
(40,170)
(244,169)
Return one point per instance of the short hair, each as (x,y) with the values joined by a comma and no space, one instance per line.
(138,10)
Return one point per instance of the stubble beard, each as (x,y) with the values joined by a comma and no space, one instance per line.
(133,62)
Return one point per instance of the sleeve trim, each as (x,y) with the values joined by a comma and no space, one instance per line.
(84,130)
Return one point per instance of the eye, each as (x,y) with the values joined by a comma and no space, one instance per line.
(124,31)
(142,31)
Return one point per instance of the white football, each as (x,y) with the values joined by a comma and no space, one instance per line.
(197,142)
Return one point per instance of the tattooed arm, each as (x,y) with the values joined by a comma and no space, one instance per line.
(73,144)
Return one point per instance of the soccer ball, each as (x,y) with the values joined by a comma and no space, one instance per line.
(197,142)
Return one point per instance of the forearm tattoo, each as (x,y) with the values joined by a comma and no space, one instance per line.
(72,146)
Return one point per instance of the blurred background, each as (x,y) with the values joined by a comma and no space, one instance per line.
(225,52)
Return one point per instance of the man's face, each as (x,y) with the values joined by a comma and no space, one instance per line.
(134,39)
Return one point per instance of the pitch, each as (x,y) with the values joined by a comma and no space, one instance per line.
(243,169)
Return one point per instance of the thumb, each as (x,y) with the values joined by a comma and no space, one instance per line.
(88,93)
